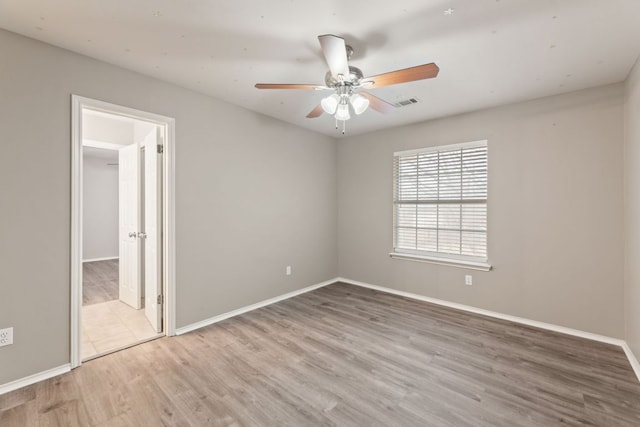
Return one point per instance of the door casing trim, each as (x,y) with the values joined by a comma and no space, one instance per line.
(168,214)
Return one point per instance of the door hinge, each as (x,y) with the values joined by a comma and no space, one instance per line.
(160,148)
(160,300)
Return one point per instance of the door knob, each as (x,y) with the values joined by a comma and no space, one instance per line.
(132,234)
(142,235)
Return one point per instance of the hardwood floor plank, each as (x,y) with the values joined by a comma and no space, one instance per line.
(100,281)
(25,414)
(17,398)
(344,356)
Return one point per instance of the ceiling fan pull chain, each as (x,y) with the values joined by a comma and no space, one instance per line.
(344,126)
(336,124)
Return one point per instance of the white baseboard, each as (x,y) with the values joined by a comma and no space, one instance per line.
(632,359)
(542,325)
(100,259)
(220,317)
(515,319)
(521,320)
(32,379)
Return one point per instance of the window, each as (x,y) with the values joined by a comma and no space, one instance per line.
(440,204)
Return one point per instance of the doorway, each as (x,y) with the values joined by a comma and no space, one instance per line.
(122,228)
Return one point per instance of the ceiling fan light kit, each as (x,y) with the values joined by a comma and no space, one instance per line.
(347,81)
(330,103)
(342,112)
(359,103)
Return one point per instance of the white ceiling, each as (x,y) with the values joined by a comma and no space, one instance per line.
(109,156)
(109,128)
(490,52)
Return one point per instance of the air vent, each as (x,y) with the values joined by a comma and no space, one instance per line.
(406,102)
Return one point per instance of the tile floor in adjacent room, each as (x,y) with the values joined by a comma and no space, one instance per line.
(112,325)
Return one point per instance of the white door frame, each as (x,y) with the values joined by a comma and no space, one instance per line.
(168,213)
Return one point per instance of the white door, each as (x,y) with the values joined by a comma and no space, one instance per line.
(129,202)
(152,226)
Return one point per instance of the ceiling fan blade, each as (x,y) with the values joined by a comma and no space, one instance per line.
(378,104)
(316,112)
(289,86)
(335,53)
(420,72)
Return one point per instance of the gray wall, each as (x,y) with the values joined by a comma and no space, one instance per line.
(100,208)
(253,195)
(555,210)
(632,210)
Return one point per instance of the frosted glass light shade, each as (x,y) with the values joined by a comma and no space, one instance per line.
(330,103)
(359,103)
(342,112)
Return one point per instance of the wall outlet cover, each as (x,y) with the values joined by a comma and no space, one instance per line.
(6,336)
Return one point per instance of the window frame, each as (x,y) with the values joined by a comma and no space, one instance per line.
(442,258)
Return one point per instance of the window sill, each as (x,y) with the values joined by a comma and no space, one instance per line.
(482,266)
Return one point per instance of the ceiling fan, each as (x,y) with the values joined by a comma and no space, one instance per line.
(347,82)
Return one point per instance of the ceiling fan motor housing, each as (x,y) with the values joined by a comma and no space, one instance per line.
(353,79)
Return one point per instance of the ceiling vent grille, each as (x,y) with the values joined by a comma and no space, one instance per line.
(406,102)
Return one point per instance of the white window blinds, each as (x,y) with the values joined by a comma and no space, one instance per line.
(440,201)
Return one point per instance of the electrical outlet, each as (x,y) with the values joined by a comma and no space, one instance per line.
(288,270)
(6,336)
(468,280)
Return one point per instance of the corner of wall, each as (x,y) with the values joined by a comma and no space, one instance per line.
(632,209)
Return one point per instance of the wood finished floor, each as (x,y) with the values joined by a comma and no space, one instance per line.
(99,281)
(347,356)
